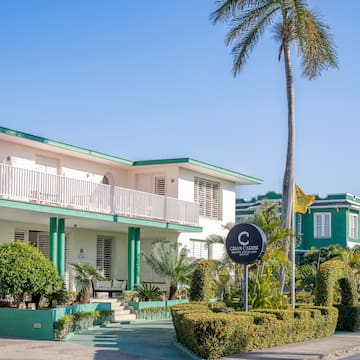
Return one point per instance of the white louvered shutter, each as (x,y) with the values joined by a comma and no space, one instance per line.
(103,255)
(160,185)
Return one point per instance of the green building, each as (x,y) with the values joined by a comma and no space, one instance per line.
(330,220)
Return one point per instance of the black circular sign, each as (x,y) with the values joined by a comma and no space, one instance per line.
(245,243)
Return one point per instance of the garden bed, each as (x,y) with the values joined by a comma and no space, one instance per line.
(155,310)
(39,324)
(214,334)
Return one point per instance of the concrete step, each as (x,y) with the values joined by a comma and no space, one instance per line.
(122,312)
(124,317)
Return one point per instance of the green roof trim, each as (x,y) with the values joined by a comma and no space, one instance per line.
(198,163)
(61,145)
(96,216)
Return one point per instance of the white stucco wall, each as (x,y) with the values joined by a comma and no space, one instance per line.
(69,166)
(7,231)
(142,178)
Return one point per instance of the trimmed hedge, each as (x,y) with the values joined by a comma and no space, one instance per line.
(210,280)
(79,321)
(334,272)
(214,334)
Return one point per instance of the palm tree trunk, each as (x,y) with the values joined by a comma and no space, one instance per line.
(287,212)
(172,291)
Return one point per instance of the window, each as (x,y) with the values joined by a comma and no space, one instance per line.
(353,226)
(47,165)
(207,195)
(160,185)
(243,219)
(322,225)
(199,249)
(103,255)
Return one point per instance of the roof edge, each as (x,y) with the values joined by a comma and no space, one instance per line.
(62,145)
(198,163)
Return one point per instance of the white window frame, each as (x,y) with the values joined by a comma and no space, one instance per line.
(207,195)
(104,246)
(322,225)
(199,249)
(353,226)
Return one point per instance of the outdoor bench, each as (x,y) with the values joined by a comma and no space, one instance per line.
(109,286)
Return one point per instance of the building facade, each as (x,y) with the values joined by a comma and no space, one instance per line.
(79,205)
(333,219)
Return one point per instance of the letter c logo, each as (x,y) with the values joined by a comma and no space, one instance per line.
(242,242)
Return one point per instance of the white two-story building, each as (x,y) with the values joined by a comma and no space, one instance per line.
(78,205)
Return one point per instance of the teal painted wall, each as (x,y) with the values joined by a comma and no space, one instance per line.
(24,324)
(338,229)
(39,324)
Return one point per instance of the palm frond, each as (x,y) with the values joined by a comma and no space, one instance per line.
(313,40)
(248,39)
(230,8)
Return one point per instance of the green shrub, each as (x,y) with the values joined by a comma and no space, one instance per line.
(156,313)
(79,321)
(210,280)
(148,291)
(333,274)
(213,334)
(24,270)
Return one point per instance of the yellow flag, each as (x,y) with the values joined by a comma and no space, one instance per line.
(302,201)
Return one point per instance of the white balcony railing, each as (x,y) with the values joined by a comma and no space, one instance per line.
(37,187)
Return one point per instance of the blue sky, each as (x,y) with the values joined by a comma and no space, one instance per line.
(152,79)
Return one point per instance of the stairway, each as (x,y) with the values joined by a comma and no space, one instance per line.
(122,312)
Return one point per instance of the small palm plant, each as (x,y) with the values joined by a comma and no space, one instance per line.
(168,259)
(84,275)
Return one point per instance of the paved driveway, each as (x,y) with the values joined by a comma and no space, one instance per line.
(141,340)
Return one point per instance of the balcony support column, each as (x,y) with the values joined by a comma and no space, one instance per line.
(137,258)
(53,241)
(131,257)
(61,247)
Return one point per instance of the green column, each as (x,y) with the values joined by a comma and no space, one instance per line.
(61,247)
(131,257)
(53,241)
(137,257)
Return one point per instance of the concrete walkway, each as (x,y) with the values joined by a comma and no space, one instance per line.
(156,340)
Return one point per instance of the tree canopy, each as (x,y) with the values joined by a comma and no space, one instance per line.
(25,270)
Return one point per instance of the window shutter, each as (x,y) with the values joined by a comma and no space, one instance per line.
(199,249)
(43,243)
(20,235)
(103,255)
(160,185)
(207,195)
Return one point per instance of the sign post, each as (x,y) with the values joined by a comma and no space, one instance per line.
(245,243)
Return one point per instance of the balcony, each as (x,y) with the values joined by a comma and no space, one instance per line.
(36,187)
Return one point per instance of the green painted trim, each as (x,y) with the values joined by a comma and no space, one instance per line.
(131,257)
(185,228)
(198,163)
(61,248)
(95,216)
(53,241)
(137,258)
(63,145)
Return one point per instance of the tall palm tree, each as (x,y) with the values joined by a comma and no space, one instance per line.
(294,24)
(168,259)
